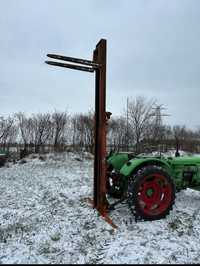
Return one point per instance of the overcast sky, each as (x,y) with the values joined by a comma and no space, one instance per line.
(153,50)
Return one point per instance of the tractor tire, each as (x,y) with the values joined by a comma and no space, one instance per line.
(151,193)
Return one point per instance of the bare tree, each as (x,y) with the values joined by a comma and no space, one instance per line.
(11,137)
(26,129)
(117,133)
(78,130)
(6,129)
(140,118)
(83,130)
(88,122)
(59,122)
(180,134)
(74,121)
(42,130)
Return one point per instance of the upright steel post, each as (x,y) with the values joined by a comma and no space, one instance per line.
(99,56)
(98,65)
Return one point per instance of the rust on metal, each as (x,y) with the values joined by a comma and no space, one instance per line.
(100,201)
(104,215)
(98,64)
(109,221)
(76,67)
(73,60)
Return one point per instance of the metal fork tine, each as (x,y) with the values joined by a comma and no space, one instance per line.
(74,60)
(76,67)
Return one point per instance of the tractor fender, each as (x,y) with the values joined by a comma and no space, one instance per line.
(133,165)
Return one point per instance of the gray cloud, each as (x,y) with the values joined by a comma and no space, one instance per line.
(153,50)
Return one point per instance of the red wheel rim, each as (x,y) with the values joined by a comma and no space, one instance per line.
(154,194)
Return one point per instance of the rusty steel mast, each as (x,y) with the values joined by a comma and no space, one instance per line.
(97,65)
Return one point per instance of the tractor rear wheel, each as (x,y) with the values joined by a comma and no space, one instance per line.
(151,193)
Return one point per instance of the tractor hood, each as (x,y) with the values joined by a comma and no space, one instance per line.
(126,162)
(117,160)
(184,160)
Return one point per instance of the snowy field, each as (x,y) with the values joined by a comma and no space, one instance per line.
(44,219)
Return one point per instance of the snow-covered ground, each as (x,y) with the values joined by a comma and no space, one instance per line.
(45,219)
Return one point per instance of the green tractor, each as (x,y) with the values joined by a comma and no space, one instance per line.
(149,183)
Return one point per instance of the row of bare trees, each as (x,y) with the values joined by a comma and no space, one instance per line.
(141,126)
(39,130)
(136,127)
(56,129)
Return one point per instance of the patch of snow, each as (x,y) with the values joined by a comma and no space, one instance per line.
(44,218)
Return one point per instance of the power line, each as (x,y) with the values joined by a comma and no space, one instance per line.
(158,120)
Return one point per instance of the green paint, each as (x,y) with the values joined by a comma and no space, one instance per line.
(149,192)
(175,166)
